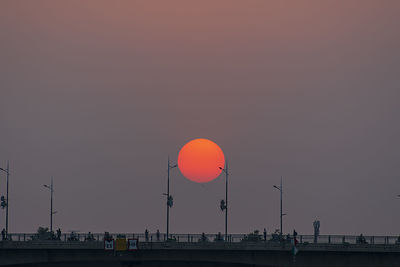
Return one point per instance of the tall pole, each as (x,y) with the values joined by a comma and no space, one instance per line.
(280,188)
(51,205)
(281,206)
(169,198)
(8,174)
(51,188)
(168,201)
(226,202)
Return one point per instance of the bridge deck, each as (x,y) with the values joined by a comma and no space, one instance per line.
(99,245)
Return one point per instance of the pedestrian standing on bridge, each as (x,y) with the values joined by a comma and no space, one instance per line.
(146,235)
(58,234)
(316,225)
(3,234)
(295,237)
(158,235)
(265,234)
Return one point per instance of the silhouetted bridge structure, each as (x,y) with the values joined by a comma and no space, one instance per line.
(189,251)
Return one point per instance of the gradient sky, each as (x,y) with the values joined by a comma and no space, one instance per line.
(99,93)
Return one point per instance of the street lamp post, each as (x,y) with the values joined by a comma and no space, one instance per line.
(51,203)
(224,204)
(5,202)
(170,200)
(280,188)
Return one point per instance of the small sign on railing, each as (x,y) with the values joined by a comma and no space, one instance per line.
(108,244)
(120,244)
(133,244)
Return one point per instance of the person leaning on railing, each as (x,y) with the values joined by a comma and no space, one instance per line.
(361,239)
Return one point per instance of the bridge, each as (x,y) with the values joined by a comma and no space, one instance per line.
(191,251)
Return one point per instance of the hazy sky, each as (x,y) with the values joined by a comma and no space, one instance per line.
(99,93)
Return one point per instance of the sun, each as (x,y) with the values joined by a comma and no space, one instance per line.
(201,160)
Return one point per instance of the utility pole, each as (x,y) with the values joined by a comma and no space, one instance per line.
(226,201)
(51,206)
(281,208)
(170,200)
(51,203)
(8,174)
(224,204)
(5,203)
(280,188)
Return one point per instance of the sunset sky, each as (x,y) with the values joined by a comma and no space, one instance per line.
(97,94)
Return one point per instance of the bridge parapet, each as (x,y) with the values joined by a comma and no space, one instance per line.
(232,238)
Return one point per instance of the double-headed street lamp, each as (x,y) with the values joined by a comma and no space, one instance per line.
(4,201)
(224,203)
(51,203)
(170,199)
(280,188)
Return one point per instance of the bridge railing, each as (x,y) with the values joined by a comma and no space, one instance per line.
(233,238)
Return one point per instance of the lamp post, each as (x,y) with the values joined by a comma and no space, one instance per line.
(170,200)
(51,203)
(4,202)
(280,188)
(224,204)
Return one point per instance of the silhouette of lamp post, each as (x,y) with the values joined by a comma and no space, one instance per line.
(170,199)
(224,203)
(51,203)
(280,188)
(4,201)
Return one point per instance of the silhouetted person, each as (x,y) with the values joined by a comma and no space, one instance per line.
(316,225)
(294,237)
(3,234)
(158,235)
(146,235)
(73,237)
(107,236)
(361,239)
(265,234)
(203,237)
(219,237)
(58,234)
(90,237)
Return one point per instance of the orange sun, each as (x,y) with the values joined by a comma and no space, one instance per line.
(200,160)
